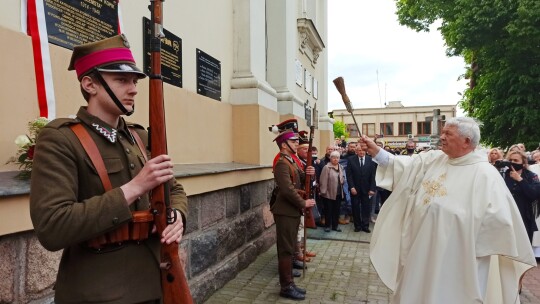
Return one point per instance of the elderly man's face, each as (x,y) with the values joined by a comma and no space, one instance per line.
(302,151)
(452,143)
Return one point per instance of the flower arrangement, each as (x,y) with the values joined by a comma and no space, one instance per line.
(27,144)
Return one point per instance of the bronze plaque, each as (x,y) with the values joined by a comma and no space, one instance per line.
(74,22)
(208,75)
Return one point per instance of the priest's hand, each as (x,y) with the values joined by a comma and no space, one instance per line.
(367,144)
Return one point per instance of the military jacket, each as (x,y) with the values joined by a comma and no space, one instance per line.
(68,206)
(288,201)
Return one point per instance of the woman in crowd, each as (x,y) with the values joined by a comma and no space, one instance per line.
(525,188)
(494,155)
(331,191)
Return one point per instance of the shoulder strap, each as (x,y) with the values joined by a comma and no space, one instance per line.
(91,149)
(139,142)
(293,171)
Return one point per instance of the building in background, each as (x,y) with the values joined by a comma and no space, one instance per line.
(395,124)
(236,67)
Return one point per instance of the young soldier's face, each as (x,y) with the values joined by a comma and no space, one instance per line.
(123,85)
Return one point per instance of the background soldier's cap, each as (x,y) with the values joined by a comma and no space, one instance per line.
(107,55)
(303,138)
(291,124)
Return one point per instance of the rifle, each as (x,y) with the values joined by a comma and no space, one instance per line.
(309,221)
(173,281)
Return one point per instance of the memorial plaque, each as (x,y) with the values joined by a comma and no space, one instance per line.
(208,75)
(74,22)
(171,55)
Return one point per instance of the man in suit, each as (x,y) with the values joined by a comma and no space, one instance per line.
(361,179)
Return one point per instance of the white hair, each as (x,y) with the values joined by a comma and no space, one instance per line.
(335,153)
(467,127)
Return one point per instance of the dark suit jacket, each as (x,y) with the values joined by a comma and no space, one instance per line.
(361,178)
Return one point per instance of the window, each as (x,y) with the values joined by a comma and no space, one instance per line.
(424,128)
(368,129)
(405,128)
(387,128)
(352,130)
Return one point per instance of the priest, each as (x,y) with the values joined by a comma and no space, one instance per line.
(450,232)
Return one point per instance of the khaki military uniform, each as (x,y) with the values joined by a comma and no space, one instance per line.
(288,206)
(68,206)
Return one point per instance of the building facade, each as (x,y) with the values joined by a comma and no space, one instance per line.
(272,62)
(395,124)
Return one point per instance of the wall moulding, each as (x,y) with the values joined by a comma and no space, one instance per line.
(310,41)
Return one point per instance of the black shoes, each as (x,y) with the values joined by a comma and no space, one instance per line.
(291,293)
(337,230)
(357,229)
(366,229)
(296,273)
(326,229)
(298,265)
(300,290)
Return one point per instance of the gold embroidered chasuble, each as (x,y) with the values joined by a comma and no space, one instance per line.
(450,232)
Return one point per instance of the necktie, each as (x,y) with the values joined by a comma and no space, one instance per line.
(361,161)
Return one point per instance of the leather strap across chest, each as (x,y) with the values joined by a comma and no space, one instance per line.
(93,153)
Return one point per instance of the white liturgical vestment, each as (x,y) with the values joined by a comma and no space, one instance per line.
(450,232)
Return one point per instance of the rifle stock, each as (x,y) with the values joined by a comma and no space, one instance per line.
(309,220)
(173,281)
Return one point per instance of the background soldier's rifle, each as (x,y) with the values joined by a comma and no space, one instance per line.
(173,281)
(309,220)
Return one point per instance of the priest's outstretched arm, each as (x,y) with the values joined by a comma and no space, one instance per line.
(390,167)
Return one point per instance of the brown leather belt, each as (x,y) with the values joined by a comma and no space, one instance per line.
(136,230)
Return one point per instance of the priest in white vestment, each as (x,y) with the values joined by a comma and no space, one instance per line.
(450,232)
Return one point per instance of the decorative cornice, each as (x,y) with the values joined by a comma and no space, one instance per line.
(309,38)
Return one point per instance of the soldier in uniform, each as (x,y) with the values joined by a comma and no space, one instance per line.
(287,210)
(87,209)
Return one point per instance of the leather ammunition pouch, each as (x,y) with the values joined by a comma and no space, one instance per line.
(137,230)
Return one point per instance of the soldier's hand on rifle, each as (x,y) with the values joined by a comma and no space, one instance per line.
(368,145)
(155,172)
(174,231)
(310,170)
(310,203)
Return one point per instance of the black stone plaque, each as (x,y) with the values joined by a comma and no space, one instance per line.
(74,22)
(208,75)
(171,55)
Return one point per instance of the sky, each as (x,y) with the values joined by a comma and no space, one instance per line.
(381,60)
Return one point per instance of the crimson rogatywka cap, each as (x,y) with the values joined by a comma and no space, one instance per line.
(108,55)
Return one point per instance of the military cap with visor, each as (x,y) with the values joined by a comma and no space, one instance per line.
(108,55)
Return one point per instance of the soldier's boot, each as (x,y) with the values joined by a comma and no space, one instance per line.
(286,282)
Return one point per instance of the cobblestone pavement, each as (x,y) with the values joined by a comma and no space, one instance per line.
(341,273)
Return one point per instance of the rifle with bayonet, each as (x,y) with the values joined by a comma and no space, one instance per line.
(173,281)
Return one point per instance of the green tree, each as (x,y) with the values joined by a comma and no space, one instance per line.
(500,39)
(340,129)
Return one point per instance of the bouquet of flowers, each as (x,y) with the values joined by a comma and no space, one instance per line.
(26,144)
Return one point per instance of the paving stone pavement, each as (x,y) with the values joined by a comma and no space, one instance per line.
(341,273)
